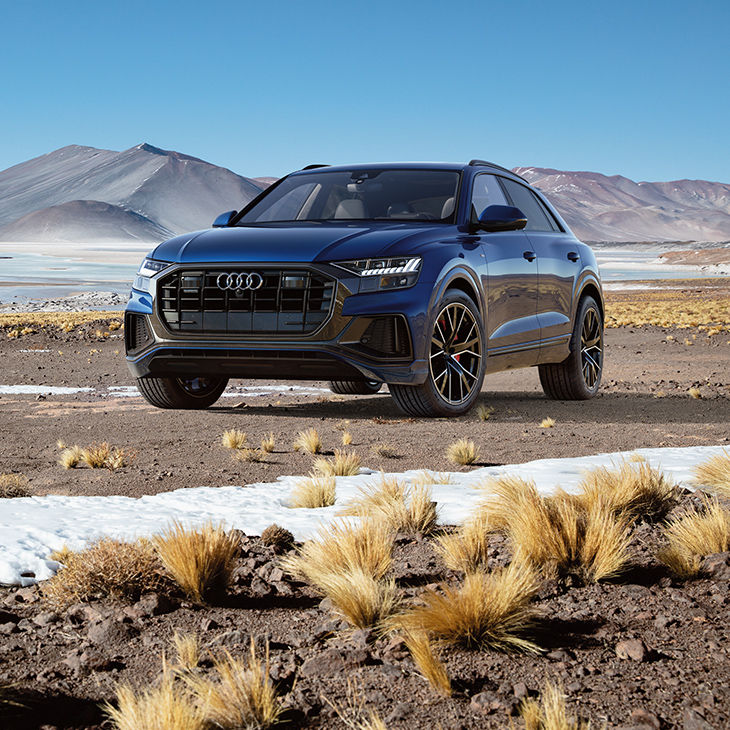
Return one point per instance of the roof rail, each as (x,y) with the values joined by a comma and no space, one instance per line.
(314,167)
(476,163)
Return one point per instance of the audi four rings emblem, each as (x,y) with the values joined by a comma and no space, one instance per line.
(237,282)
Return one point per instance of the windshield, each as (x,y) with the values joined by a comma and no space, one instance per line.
(355,195)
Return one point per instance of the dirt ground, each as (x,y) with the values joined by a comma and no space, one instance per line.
(674,672)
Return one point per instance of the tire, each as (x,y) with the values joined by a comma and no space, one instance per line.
(180,393)
(578,377)
(355,387)
(452,387)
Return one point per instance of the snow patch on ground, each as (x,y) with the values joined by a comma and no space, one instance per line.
(32,527)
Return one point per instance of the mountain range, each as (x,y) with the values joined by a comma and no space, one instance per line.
(84,194)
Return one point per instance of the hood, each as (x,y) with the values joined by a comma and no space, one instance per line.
(297,243)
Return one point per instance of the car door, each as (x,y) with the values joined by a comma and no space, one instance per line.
(512,282)
(558,263)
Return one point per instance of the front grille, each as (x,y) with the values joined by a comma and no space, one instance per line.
(136,332)
(289,301)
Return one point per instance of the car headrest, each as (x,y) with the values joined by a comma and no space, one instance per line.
(448,207)
(350,208)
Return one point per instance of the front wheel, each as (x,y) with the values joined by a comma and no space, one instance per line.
(456,362)
(182,393)
(578,377)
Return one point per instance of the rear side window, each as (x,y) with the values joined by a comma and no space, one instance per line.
(524,199)
(485,192)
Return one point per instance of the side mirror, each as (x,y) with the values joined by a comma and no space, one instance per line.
(224,219)
(502,218)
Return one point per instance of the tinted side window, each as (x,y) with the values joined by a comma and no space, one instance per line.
(485,192)
(524,199)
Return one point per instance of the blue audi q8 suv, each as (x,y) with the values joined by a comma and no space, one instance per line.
(422,276)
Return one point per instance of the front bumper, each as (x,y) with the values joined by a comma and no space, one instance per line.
(349,346)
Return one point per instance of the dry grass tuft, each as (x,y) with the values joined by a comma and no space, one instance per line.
(484,412)
(385,451)
(232,438)
(358,597)
(308,441)
(343,548)
(560,534)
(71,457)
(487,611)
(165,707)
(251,456)
(62,555)
(468,549)
(200,560)
(462,452)
(277,537)
(346,438)
(695,393)
(403,507)
(695,535)
(13,485)
(187,651)
(354,715)
(268,443)
(241,697)
(431,669)
(121,570)
(547,422)
(715,473)
(550,713)
(634,487)
(429,478)
(344,464)
(313,492)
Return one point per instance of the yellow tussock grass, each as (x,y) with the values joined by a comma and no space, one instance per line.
(428,664)
(550,713)
(13,485)
(468,549)
(308,441)
(241,696)
(403,507)
(187,651)
(268,443)
(343,548)
(633,487)
(233,438)
(385,451)
(462,452)
(430,478)
(484,412)
(346,438)
(120,570)
(165,707)
(71,457)
(199,559)
(313,492)
(359,598)
(547,422)
(343,464)
(488,610)
(715,473)
(99,456)
(354,715)
(693,536)
(252,456)
(695,393)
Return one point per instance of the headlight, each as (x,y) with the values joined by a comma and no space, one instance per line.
(148,268)
(393,273)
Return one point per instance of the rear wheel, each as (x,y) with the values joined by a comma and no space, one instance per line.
(182,393)
(456,362)
(355,387)
(578,377)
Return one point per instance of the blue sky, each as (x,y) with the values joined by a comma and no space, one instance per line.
(637,88)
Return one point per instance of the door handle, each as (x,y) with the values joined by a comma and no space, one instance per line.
(529,255)
(573,256)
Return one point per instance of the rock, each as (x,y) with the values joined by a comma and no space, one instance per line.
(334,661)
(260,588)
(230,638)
(645,719)
(154,604)
(29,594)
(717,566)
(402,711)
(209,624)
(559,655)
(485,703)
(693,720)
(390,670)
(46,618)
(8,628)
(283,589)
(519,690)
(662,621)
(395,649)
(241,575)
(633,649)
(108,632)
(362,637)
(276,575)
